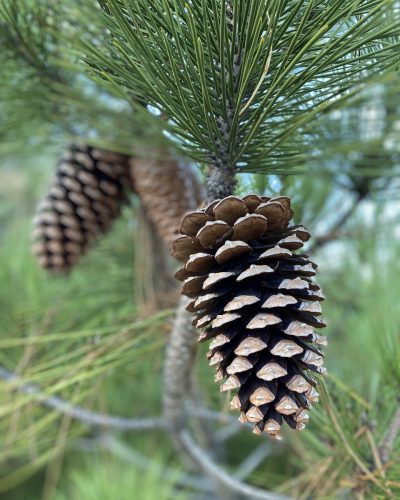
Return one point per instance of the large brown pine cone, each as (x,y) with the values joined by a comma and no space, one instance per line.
(86,196)
(255,298)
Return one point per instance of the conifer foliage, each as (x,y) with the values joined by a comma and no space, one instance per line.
(237,86)
(243,83)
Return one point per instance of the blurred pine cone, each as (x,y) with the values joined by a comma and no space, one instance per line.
(168,188)
(255,299)
(86,196)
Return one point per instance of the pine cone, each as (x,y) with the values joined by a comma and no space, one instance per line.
(86,196)
(255,299)
(168,188)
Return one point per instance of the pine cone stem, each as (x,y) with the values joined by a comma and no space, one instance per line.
(336,230)
(221,181)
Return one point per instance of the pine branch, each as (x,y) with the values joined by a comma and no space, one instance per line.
(391,437)
(177,368)
(95,419)
(333,233)
(241,85)
(215,472)
(76,412)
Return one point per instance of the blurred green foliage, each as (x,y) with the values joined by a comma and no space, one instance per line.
(80,337)
(76,336)
(106,478)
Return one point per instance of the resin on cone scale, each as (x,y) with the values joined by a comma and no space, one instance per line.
(254,298)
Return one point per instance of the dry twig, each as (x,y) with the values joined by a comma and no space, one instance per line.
(78,413)
(335,231)
(93,418)
(391,437)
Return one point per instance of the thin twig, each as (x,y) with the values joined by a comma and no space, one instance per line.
(218,417)
(78,413)
(251,463)
(335,230)
(92,418)
(391,437)
(210,468)
(229,431)
(134,457)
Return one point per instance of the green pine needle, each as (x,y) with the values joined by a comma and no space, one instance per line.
(239,95)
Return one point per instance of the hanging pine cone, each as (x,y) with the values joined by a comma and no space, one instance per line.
(254,297)
(86,196)
(168,188)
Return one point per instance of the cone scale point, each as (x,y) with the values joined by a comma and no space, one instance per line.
(253,297)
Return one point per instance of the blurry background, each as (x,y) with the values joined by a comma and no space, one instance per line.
(84,338)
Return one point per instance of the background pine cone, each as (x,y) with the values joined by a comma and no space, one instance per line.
(168,188)
(86,196)
(255,299)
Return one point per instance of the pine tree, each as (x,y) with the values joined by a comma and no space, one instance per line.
(240,99)
(239,87)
